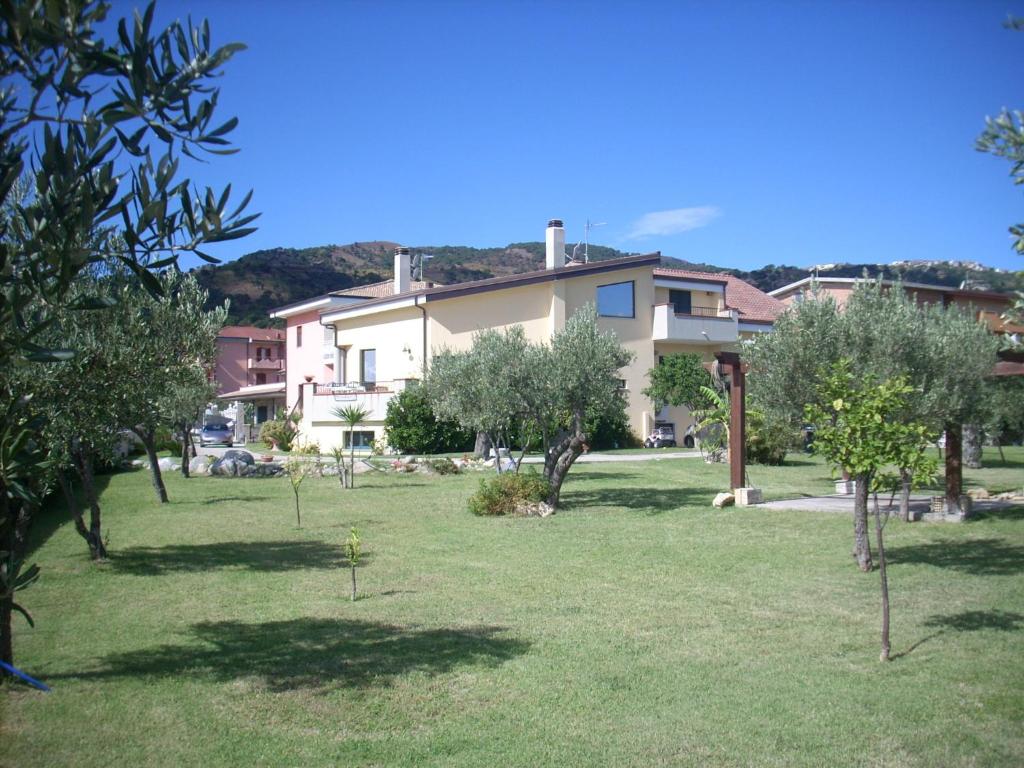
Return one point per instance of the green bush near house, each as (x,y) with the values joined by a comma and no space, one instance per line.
(412,426)
(278,431)
(502,494)
(768,440)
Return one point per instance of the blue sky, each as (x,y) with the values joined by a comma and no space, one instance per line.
(734,133)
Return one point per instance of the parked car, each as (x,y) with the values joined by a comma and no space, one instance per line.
(661,437)
(212,434)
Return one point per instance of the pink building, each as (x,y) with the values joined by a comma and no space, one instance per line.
(251,369)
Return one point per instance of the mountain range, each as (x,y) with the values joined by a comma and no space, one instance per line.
(257,282)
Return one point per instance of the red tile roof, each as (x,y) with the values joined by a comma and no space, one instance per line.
(753,304)
(251,332)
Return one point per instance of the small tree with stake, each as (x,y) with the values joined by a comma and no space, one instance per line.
(861,429)
(353,551)
(297,470)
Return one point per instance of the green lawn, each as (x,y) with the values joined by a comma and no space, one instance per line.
(636,627)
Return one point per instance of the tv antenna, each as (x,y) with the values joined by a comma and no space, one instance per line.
(416,265)
(586,238)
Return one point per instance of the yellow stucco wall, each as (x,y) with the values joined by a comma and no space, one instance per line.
(453,322)
(397,335)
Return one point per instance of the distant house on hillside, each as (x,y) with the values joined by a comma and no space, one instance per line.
(362,345)
(987,306)
(251,368)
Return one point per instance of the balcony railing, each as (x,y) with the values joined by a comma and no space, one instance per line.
(704,312)
(715,327)
(265,364)
(372,397)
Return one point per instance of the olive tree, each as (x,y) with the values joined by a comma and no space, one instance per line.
(552,390)
(97,126)
(941,351)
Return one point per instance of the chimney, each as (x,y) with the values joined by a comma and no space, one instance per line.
(554,245)
(402,270)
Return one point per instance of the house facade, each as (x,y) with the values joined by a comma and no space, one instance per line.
(251,368)
(363,345)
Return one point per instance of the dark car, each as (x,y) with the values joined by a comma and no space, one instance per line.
(661,437)
(212,434)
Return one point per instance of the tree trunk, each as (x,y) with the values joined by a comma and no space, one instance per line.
(999,445)
(185,445)
(15,517)
(148,439)
(482,445)
(972,446)
(884,581)
(298,517)
(954,469)
(861,540)
(905,482)
(559,461)
(353,569)
(86,473)
(495,441)
(352,457)
(93,535)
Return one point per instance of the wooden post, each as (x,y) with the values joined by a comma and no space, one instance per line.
(737,418)
(954,468)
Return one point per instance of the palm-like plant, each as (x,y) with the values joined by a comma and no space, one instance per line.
(351,415)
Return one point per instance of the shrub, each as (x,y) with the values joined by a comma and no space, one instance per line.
(412,427)
(278,431)
(503,494)
(311,448)
(768,439)
(444,466)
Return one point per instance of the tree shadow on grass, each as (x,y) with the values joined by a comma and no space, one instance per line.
(996,513)
(306,653)
(979,557)
(222,499)
(653,501)
(268,556)
(968,621)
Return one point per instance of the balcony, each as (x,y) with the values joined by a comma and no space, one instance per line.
(373,398)
(701,326)
(264,364)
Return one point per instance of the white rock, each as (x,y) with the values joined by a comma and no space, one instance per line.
(723,500)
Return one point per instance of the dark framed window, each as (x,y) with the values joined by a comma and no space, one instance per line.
(298,336)
(361,438)
(368,366)
(616,300)
(261,378)
(681,301)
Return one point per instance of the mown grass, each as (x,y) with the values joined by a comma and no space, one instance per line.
(636,627)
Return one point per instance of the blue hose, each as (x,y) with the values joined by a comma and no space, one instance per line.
(21,675)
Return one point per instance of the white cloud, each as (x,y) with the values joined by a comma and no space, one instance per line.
(673,222)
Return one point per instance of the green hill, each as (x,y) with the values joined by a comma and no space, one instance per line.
(262,280)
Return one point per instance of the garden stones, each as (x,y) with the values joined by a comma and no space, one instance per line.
(241,456)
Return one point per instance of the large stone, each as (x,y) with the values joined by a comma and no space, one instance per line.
(747,496)
(723,500)
(225,467)
(199,465)
(978,493)
(241,456)
(534,509)
(168,465)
